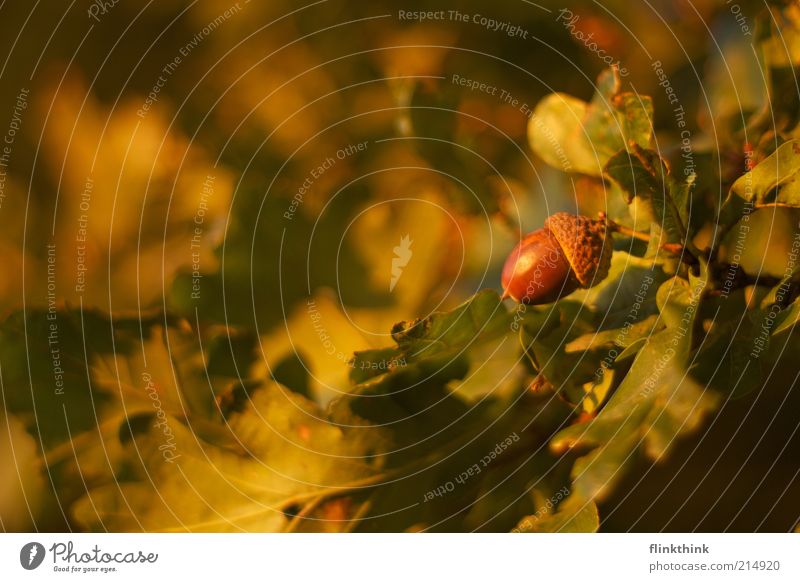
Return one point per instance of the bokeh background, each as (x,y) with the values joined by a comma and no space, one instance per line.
(237,165)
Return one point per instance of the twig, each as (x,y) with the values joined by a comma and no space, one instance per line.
(674,248)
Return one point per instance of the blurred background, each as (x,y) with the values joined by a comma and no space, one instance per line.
(246,164)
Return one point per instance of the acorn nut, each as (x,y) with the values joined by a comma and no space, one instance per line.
(571,252)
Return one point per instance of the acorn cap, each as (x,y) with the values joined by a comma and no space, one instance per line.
(585,243)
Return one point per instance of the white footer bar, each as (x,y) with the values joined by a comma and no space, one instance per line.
(389,557)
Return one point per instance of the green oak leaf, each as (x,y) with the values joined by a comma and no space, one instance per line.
(443,341)
(84,382)
(447,370)
(572,515)
(774,181)
(736,345)
(646,182)
(620,337)
(501,498)
(583,335)
(790,317)
(575,136)
(745,336)
(737,351)
(279,461)
(656,402)
(627,294)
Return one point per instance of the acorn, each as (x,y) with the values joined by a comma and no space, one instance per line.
(571,252)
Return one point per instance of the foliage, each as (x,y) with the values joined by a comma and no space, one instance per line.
(241,360)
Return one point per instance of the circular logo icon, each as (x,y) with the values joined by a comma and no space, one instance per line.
(31,555)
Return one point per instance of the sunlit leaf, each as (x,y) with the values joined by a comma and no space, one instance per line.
(575,136)
(573,515)
(645,180)
(774,181)
(285,461)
